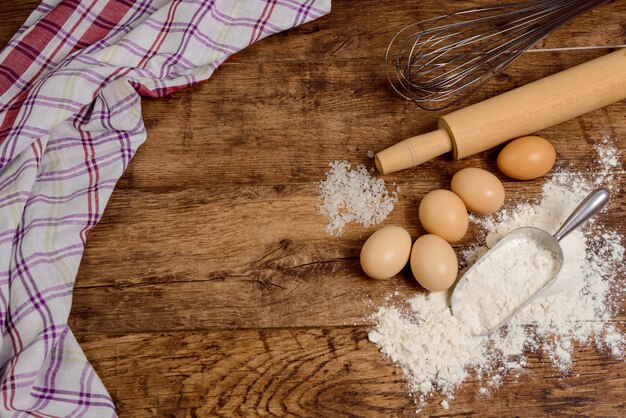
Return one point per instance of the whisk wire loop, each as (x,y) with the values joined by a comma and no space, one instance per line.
(447,57)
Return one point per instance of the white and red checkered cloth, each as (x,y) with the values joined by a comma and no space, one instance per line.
(70,122)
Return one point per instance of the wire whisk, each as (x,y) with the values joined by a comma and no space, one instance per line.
(443,59)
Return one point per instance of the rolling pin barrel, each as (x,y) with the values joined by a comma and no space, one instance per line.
(522,111)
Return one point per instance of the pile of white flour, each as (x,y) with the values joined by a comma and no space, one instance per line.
(353,196)
(500,284)
(437,352)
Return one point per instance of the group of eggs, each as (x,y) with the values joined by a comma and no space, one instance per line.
(444,215)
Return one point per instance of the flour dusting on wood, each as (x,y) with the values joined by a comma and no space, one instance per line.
(353,196)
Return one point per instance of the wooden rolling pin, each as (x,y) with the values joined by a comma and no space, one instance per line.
(522,111)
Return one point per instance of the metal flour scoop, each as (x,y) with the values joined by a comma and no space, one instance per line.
(585,210)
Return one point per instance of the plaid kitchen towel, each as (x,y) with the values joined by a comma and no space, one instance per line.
(70,122)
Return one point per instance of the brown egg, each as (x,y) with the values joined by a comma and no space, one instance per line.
(386,252)
(443,213)
(527,158)
(480,190)
(434,263)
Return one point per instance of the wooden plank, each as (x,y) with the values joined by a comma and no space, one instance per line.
(12,15)
(277,123)
(229,257)
(350,32)
(364,32)
(323,372)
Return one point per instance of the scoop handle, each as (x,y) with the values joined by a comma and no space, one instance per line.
(587,208)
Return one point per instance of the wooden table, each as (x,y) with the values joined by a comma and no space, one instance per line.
(210,287)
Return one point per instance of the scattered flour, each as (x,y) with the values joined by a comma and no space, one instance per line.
(437,352)
(512,273)
(608,160)
(353,196)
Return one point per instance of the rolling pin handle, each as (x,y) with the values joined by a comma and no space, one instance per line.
(413,151)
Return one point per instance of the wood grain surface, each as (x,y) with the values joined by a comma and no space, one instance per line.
(210,288)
